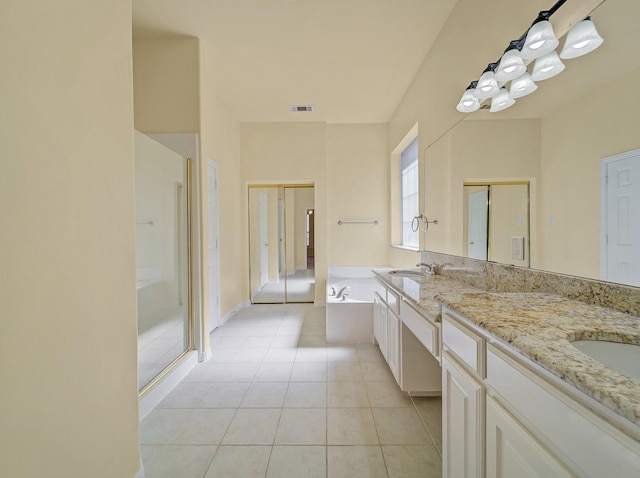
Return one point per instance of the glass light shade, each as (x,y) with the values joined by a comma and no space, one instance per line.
(547,67)
(581,39)
(522,86)
(511,66)
(487,86)
(540,40)
(468,103)
(501,101)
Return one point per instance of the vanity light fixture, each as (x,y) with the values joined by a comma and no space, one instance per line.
(547,67)
(501,101)
(487,86)
(511,64)
(522,86)
(469,103)
(581,39)
(540,38)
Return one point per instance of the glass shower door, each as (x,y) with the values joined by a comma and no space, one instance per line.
(162,258)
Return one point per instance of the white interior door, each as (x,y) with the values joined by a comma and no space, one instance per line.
(478,215)
(264,245)
(213,255)
(621,222)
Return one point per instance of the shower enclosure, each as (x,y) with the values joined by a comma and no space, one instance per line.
(165,328)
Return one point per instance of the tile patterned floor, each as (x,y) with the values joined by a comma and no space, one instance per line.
(276,401)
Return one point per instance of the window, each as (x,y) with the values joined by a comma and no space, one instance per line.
(409,194)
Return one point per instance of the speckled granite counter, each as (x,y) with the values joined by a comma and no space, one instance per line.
(422,290)
(540,326)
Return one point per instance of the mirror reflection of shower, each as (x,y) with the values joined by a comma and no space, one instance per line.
(281,244)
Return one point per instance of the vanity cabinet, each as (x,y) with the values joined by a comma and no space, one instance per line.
(463,401)
(410,359)
(504,416)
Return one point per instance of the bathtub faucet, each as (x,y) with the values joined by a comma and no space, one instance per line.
(341,293)
(431,269)
(332,292)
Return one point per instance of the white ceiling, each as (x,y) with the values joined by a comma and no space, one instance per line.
(352,59)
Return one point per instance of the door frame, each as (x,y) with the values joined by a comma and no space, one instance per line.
(213,213)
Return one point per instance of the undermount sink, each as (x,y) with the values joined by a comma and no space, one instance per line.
(411,273)
(623,358)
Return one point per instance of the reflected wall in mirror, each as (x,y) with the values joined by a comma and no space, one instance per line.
(496,222)
(281,244)
(558,139)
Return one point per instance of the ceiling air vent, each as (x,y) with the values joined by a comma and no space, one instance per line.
(300,108)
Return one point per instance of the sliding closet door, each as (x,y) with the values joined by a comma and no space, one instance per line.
(281,249)
(162,258)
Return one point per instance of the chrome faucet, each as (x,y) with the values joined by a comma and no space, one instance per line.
(332,292)
(431,269)
(341,293)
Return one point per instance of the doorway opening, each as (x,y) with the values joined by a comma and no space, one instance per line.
(281,244)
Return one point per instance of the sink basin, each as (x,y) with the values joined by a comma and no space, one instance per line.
(623,358)
(411,273)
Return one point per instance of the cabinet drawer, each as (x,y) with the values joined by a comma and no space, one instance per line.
(463,343)
(424,330)
(585,442)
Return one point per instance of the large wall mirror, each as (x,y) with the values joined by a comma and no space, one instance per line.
(281,244)
(573,142)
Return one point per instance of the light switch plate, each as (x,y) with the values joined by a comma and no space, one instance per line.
(517,248)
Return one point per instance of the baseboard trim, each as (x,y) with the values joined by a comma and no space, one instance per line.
(140,473)
(154,396)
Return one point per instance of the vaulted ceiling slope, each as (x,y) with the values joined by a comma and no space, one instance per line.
(352,59)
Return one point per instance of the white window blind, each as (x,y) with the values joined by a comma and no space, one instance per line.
(410,194)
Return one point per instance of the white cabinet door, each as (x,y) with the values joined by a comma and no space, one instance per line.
(512,450)
(462,422)
(380,324)
(393,344)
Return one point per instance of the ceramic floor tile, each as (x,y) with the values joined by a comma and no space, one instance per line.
(231,331)
(309,372)
(224,395)
(311,354)
(344,372)
(265,395)
(430,409)
(341,353)
(313,330)
(412,461)
(347,394)
(237,372)
(355,462)
(273,372)
(239,462)
(400,426)
(298,461)
(227,342)
(302,426)
(204,372)
(387,394)
(252,427)
(312,341)
(172,461)
(282,355)
(369,353)
(265,332)
(351,426)
(291,331)
(250,355)
(285,341)
(185,395)
(376,372)
(185,427)
(222,355)
(306,395)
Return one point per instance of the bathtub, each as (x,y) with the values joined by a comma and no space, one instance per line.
(350,317)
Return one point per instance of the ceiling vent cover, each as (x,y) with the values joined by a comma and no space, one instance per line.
(300,108)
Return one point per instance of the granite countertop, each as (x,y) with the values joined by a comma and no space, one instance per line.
(540,327)
(422,290)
